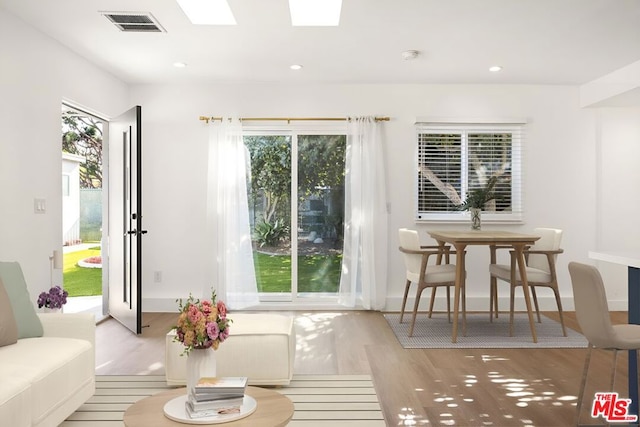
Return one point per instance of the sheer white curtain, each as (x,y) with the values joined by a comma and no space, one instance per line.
(228,216)
(364,262)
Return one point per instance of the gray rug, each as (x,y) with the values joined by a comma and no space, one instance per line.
(481,333)
(318,400)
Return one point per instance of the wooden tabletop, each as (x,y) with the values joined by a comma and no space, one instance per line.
(274,409)
(482,237)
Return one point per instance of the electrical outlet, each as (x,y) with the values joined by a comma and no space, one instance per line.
(157,276)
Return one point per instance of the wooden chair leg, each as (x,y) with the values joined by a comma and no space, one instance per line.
(511,308)
(559,304)
(449,303)
(404,299)
(415,310)
(535,302)
(464,309)
(492,298)
(432,300)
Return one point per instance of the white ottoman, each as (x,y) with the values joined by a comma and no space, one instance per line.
(260,346)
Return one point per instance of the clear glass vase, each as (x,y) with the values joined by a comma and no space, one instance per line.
(200,363)
(476,220)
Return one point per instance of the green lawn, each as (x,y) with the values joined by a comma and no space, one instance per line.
(316,273)
(80,281)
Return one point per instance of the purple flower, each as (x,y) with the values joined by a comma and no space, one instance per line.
(55,298)
(213,331)
(224,334)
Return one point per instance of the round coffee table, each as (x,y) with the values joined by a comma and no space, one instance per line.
(274,409)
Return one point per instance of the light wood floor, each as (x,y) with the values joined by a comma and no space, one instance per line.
(462,387)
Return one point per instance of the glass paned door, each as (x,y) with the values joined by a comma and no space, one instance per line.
(297,229)
(270,212)
(320,213)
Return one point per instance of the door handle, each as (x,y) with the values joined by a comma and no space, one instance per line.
(136,232)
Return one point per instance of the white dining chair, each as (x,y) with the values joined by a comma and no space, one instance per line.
(425,275)
(592,313)
(540,269)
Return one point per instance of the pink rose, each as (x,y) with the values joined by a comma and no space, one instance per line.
(213,331)
(194,314)
(206,307)
(224,334)
(222,309)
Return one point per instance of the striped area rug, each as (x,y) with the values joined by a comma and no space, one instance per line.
(319,400)
(481,333)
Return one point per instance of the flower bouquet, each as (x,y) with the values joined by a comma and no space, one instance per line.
(202,324)
(55,298)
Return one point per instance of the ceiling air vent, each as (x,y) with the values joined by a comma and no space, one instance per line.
(136,22)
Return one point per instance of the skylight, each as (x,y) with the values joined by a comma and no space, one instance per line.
(315,13)
(208,12)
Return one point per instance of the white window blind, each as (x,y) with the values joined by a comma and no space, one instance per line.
(453,159)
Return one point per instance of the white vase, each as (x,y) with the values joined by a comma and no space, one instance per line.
(52,310)
(200,363)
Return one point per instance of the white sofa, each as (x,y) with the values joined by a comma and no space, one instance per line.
(45,379)
(47,361)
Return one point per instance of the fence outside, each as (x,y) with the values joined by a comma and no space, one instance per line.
(90,214)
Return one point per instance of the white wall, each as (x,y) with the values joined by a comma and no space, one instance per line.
(559,164)
(36,75)
(618,155)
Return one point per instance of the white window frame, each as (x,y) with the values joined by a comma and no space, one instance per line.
(516,128)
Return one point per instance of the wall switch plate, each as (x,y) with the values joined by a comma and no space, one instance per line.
(39,206)
(157,276)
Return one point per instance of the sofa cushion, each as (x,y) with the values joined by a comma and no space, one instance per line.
(56,368)
(8,327)
(23,310)
(15,401)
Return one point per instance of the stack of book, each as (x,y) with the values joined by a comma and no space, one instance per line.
(214,396)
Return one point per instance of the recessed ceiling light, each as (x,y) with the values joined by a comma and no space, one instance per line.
(315,13)
(208,12)
(179,64)
(410,54)
(296,67)
(495,68)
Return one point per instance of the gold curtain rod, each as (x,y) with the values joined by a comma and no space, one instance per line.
(288,119)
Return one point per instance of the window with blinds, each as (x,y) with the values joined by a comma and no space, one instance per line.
(454,159)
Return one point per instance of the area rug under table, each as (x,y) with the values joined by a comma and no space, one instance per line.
(481,333)
(318,400)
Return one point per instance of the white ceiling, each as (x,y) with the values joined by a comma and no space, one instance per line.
(536,41)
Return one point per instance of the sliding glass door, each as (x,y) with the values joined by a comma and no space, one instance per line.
(296,204)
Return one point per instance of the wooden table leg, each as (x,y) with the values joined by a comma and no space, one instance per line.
(519,250)
(460,255)
(493,285)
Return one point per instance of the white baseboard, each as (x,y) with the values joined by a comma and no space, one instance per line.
(394,303)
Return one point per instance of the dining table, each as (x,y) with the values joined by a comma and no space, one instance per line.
(461,239)
(630,259)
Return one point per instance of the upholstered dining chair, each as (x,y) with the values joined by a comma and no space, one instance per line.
(541,272)
(424,274)
(592,313)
